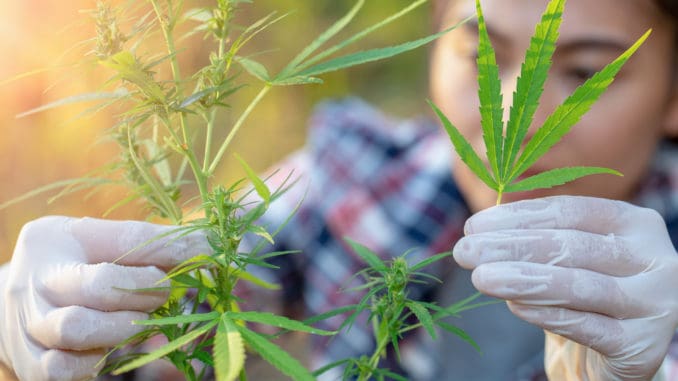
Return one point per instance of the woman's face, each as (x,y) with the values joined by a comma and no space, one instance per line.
(620,131)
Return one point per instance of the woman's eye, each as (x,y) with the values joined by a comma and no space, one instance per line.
(472,56)
(581,74)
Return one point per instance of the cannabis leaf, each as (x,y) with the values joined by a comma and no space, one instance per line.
(505,160)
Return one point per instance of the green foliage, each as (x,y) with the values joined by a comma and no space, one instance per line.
(390,310)
(164,154)
(506,160)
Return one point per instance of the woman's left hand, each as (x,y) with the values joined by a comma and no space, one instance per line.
(601,273)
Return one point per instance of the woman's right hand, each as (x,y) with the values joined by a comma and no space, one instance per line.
(65,295)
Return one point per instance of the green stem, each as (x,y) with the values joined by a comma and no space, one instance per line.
(374,360)
(198,173)
(170,207)
(236,127)
(208,139)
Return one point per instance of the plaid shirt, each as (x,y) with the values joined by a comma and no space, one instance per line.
(386,183)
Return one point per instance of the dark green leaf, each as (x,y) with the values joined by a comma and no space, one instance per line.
(430,260)
(423,316)
(329,314)
(275,356)
(459,332)
(367,255)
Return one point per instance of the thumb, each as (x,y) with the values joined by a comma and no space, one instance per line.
(136,243)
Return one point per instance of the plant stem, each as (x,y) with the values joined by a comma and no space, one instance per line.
(236,127)
(374,360)
(198,173)
(208,139)
(170,207)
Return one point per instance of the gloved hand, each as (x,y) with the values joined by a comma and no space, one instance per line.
(63,301)
(601,273)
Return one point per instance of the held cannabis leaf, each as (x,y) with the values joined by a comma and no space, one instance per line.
(503,142)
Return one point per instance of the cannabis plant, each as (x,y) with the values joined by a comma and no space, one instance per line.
(165,154)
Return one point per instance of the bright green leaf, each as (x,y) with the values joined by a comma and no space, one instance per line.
(249,277)
(556,177)
(362,34)
(261,232)
(277,321)
(255,68)
(464,150)
(368,56)
(322,39)
(489,94)
(229,351)
(117,94)
(166,349)
(298,80)
(530,83)
(566,115)
(259,186)
(181,319)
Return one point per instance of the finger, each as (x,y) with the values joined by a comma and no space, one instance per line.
(136,243)
(543,285)
(599,332)
(590,214)
(79,328)
(614,339)
(605,254)
(73,366)
(106,287)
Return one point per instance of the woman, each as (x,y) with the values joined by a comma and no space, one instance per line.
(595,268)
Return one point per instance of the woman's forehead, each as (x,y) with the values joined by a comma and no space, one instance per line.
(619,19)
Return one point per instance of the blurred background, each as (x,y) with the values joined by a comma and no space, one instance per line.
(41,41)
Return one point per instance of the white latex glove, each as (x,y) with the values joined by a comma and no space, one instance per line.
(598,272)
(62,303)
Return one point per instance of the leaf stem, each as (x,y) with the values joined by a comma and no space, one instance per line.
(236,127)
(208,139)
